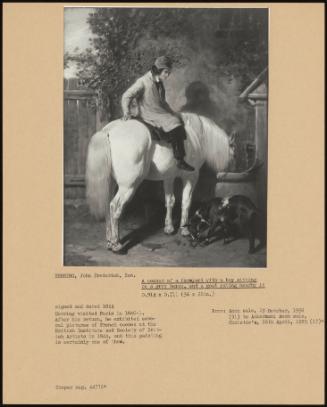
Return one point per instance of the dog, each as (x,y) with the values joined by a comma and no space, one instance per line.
(229,218)
(205,221)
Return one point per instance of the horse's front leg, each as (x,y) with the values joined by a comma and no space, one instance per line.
(169,202)
(108,227)
(188,188)
(116,208)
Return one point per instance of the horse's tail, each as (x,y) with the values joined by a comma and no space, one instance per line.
(98,174)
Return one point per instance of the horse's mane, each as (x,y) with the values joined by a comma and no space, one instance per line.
(212,139)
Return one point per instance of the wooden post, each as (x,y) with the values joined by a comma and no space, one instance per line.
(262,153)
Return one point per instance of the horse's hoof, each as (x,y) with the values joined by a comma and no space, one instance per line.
(169,230)
(109,245)
(184,231)
(117,248)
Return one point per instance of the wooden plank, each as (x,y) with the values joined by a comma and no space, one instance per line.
(70,137)
(74,181)
(79,97)
(258,96)
(75,184)
(80,93)
(82,135)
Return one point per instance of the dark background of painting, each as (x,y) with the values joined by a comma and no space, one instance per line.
(217,53)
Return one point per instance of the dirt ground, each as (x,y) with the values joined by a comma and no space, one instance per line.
(145,243)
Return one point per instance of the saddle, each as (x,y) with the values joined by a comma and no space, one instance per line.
(157,134)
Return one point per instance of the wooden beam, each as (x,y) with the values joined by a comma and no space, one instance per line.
(74,181)
(258,80)
(257,96)
(78,97)
(79,93)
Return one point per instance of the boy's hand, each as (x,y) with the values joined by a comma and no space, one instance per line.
(126,116)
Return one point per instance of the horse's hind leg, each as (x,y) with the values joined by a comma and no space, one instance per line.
(123,195)
(188,188)
(108,227)
(169,202)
